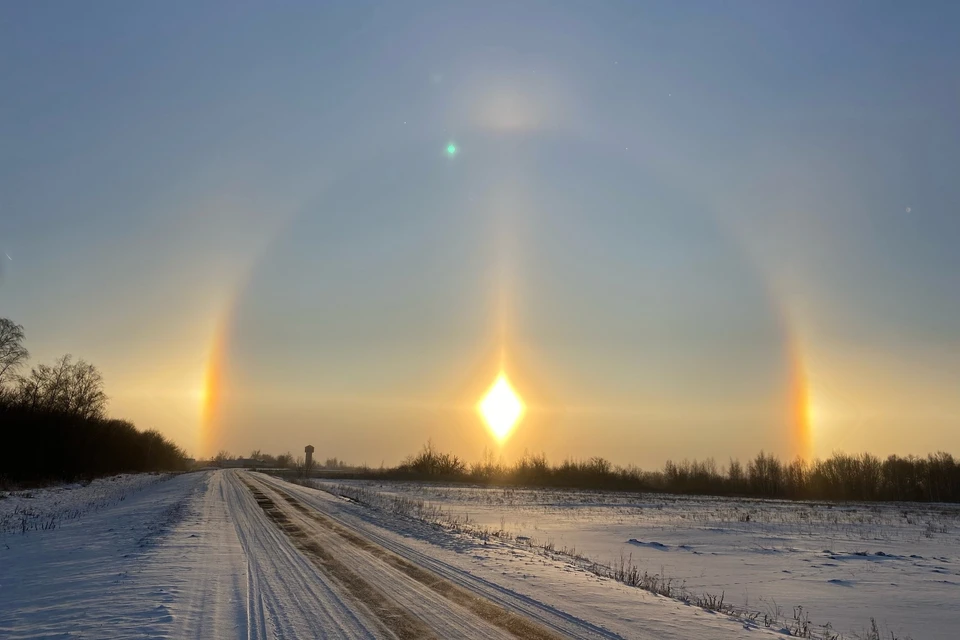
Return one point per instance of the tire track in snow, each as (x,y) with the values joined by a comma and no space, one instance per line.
(446,619)
(287,597)
(404,625)
(559,622)
(508,623)
(495,614)
(207,605)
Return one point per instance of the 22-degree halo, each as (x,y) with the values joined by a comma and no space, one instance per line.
(452,245)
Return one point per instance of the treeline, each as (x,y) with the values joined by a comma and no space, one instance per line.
(256,459)
(260,460)
(54,425)
(935,478)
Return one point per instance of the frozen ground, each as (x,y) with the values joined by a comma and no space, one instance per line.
(233,554)
(897,563)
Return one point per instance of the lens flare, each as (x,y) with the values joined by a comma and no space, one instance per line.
(501,408)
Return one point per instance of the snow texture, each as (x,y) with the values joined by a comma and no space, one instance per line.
(234,554)
(843,563)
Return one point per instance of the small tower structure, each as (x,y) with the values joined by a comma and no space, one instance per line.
(309,460)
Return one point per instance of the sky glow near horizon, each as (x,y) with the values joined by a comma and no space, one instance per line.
(678,233)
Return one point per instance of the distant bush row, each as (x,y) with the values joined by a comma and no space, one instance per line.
(54,426)
(935,478)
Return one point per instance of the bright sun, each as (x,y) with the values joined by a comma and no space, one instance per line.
(501,408)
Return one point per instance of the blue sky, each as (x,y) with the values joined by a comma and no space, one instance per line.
(662,201)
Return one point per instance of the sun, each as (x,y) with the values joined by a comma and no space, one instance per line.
(501,408)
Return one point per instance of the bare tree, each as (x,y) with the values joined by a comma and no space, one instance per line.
(84,391)
(12,352)
(223,456)
(68,387)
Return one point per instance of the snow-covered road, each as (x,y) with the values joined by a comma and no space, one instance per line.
(234,554)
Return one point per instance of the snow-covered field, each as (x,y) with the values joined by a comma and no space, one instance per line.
(234,554)
(844,564)
(48,508)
